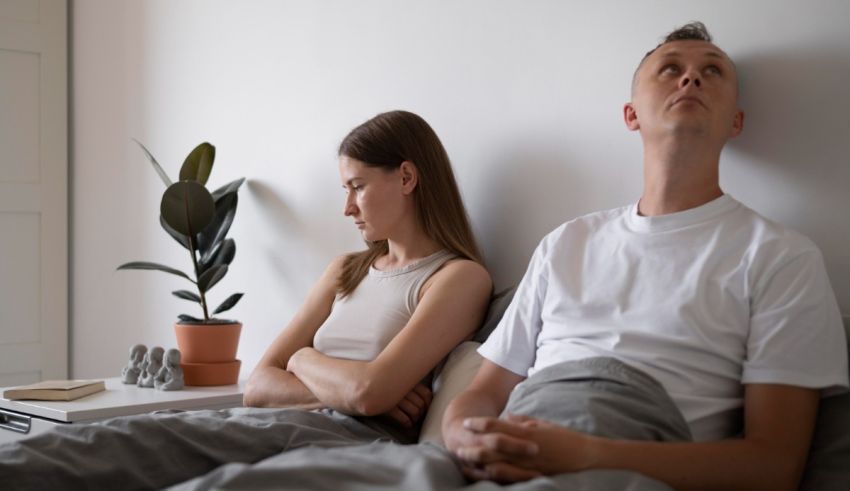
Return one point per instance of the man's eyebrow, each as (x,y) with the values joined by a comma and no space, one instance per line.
(676,54)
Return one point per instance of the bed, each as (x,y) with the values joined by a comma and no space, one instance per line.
(340,453)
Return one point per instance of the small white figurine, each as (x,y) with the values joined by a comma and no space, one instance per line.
(170,376)
(151,366)
(130,373)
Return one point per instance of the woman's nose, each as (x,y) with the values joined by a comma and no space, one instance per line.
(349,208)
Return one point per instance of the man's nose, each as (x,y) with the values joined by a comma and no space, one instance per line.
(690,77)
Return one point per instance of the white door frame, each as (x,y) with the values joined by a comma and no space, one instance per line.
(33,190)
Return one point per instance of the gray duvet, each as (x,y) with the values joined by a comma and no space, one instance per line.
(255,449)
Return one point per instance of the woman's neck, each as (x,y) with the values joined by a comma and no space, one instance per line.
(403,251)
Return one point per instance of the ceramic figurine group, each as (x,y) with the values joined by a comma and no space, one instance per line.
(147,369)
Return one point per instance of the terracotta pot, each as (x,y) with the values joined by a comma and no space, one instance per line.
(207,343)
(208,353)
(226,373)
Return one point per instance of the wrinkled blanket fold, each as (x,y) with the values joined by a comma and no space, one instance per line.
(256,449)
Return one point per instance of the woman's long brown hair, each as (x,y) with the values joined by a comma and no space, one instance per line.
(386,141)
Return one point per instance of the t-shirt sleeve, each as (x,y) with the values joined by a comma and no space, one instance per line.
(796,334)
(513,343)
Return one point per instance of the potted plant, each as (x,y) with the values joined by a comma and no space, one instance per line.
(199,221)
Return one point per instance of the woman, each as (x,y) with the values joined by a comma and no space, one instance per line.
(371,330)
(379,321)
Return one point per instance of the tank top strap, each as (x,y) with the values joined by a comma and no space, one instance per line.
(426,268)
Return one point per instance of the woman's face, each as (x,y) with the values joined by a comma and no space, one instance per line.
(376,199)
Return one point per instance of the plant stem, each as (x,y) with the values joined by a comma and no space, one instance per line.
(195,259)
(198,277)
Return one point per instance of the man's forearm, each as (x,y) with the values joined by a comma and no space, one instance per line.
(468,404)
(275,387)
(729,464)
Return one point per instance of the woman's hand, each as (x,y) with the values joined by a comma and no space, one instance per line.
(410,410)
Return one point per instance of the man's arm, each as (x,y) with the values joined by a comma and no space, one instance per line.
(779,421)
(485,398)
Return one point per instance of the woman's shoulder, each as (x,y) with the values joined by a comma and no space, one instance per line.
(466,271)
(333,271)
(338,262)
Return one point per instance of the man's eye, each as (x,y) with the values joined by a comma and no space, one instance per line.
(671,68)
(713,69)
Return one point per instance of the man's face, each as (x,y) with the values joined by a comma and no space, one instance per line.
(685,87)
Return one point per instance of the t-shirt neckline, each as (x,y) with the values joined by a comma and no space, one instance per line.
(680,219)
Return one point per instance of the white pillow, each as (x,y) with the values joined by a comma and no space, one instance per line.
(459,370)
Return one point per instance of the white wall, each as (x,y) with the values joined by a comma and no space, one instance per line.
(526,95)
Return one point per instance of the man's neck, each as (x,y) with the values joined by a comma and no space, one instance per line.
(679,176)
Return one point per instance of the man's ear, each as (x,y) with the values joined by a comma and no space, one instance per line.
(737,124)
(409,176)
(630,117)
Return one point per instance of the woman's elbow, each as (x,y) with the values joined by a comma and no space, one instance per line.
(253,394)
(371,399)
(249,396)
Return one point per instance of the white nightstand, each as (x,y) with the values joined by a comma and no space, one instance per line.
(20,419)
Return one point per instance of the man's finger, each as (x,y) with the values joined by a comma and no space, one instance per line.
(520,418)
(474,473)
(509,445)
(507,473)
(478,455)
(495,425)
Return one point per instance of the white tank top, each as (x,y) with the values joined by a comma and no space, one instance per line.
(362,324)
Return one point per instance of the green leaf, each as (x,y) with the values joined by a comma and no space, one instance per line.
(143,265)
(198,164)
(224,254)
(180,238)
(210,237)
(229,303)
(187,295)
(156,166)
(187,207)
(230,187)
(189,318)
(211,276)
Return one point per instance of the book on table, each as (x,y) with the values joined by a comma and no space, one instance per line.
(55,390)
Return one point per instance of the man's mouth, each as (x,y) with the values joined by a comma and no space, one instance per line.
(688,98)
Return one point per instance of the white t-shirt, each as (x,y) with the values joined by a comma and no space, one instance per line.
(703,300)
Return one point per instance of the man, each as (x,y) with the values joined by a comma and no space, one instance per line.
(731,313)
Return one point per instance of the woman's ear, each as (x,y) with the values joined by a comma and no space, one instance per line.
(409,176)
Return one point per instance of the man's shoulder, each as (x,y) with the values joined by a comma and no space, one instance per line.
(590,222)
(770,234)
(575,234)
